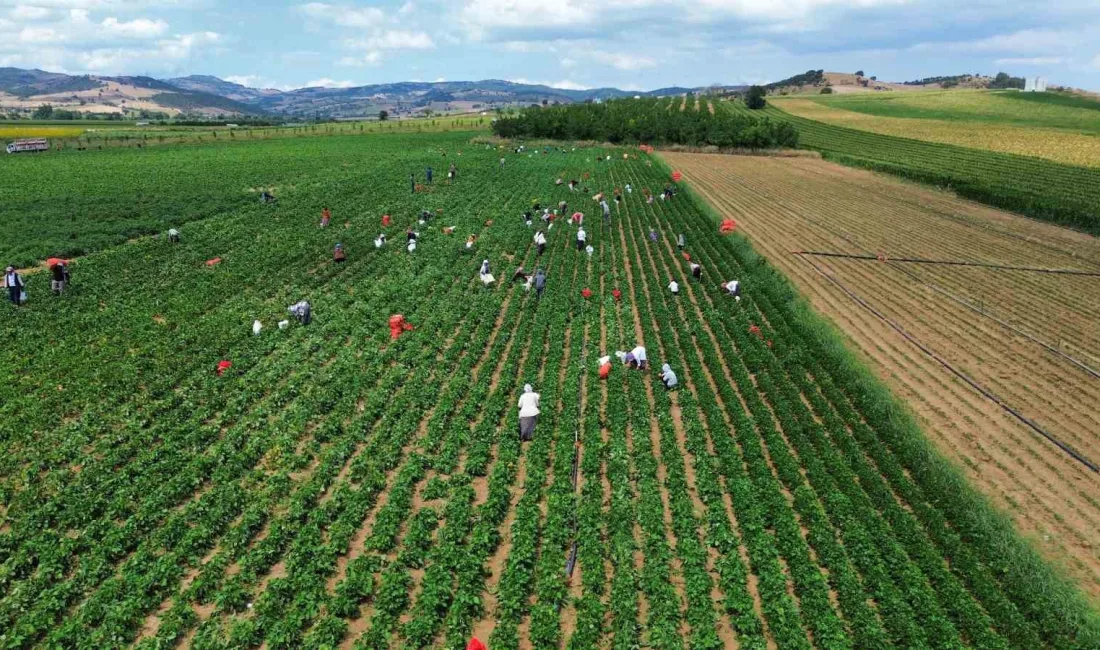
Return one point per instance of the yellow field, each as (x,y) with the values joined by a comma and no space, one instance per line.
(9,131)
(1052,144)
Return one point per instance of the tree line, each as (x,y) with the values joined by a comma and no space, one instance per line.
(649,121)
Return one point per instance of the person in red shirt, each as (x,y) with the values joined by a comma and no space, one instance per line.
(326,216)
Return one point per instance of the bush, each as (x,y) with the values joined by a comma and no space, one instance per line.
(827,90)
(755,98)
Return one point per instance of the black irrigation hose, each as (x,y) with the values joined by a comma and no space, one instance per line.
(958,373)
(985,265)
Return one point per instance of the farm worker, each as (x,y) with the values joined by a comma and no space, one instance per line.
(733,288)
(410,235)
(425,216)
(598,197)
(668,193)
(412,183)
(14,282)
(380,241)
(558,182)
(475,644)
(649,199)
(256,327)
(605,366)
(681,241)
(572,186)
(582,236)
(674,287)
(629,189)
(728,226)
(338,254)
(398,325)
(57,271)
(540,241)
(527,216)
(540,282)
(385,220)
(173,235)
(520,274)
(562,207)
(606,212)
(428,175)
(618,197)
(636,358)
(453,173)
(653,235)
(325,217)
(686,256)
(588,249)
(486,276)
(266,197)
(577,218)
(528,413)
(448,230)
(411,246)
(223,365)
(470,242)
(586,293)
(696,271)
(668,377)
(617,295)
(502,163)
(301,311)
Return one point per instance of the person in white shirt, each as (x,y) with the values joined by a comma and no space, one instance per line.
(635,358)
(528,413)
(581,237)
(173,235)
(674,287)
(14,282)
(540,241)
(733,288)
(696,271)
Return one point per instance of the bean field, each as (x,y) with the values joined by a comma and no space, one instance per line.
(340,488)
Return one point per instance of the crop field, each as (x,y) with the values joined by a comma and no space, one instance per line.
(1068,195)
(1072,145)
(340,489)
(1028,341)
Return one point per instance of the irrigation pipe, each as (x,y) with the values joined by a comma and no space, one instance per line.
(958,373)
(985,265)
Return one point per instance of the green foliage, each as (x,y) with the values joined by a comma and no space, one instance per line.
(383,116)
(43,112)
(1041,189)
(827,90)
(754,99)
(337,486)
(808,78)
(1004,80)
(649,121)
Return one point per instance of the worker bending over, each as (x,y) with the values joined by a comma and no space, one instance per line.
(301,311)
(636,358)
(733,288)
(338,254)
(528,413)
(668,377)
(582,237)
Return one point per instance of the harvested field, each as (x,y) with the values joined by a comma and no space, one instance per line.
(1027,340)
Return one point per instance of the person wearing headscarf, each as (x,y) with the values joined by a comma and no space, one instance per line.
(173,235)
(696,271)
(14,282)
(528,413)
(338,254)
(681,241)
(668,377)
(486,276)
(733,288)
(301,311)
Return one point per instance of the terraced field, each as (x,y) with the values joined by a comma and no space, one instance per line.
(339,488)
(992,359)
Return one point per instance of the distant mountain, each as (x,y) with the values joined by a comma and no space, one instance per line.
(133,95)
(205,94)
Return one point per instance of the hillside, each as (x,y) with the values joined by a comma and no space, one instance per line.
(23,91)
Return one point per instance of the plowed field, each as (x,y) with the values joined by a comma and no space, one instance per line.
(1027,341)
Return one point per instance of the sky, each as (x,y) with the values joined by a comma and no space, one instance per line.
(629,44)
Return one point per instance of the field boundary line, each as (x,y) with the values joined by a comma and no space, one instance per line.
(958,373)
(920,260)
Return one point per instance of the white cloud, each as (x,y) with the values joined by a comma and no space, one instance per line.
(325,82)
(406,9)
(563,85)
(250,80)
(394,40)
(29,12)
(343,16)
(137,28)
(1038,60)
(1040,42)
(371,58)
(624,61)
(1096,62)
(182,45)
(40,35)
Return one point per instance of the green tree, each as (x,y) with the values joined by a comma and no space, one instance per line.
(755,98)
(859,73)
(43,112)
(827,90)
(383,116)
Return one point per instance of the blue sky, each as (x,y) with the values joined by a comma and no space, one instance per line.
(631,44)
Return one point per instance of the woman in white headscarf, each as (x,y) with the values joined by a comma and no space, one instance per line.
(528,413)
(486,277)
(668,377)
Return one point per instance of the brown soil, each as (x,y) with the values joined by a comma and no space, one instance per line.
(960,313)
